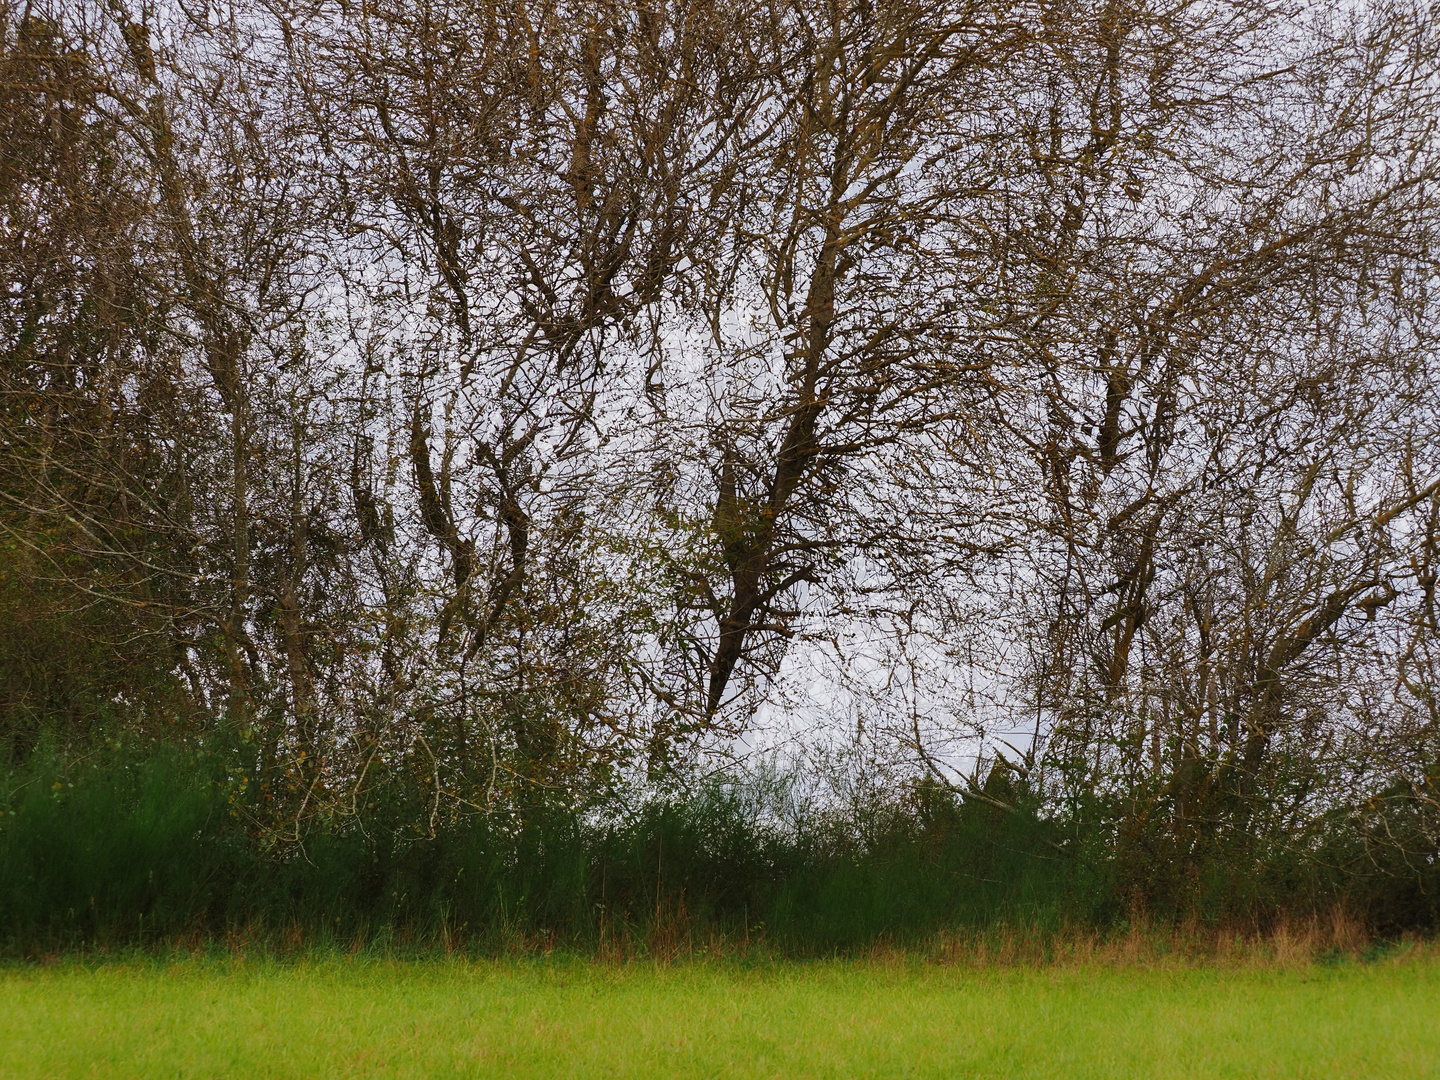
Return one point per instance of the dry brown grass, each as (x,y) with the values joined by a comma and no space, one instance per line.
(1288,943)
(673,937)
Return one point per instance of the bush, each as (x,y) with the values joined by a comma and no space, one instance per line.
(137,844)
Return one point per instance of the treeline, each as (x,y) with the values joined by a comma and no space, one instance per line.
(433,422)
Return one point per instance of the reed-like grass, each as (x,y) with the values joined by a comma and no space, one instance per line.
(150,847)
(137,848)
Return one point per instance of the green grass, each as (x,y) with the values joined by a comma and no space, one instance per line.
(366,1017)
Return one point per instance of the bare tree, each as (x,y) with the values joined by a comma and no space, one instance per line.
(512,402)
(1222,341)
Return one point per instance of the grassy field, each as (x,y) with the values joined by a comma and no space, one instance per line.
(366,1017)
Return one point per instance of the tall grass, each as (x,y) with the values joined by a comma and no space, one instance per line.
(139,846)
(143,845)
(100,851)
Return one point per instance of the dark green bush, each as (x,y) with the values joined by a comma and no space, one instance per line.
(137,845)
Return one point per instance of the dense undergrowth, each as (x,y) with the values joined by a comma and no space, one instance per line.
(131,848)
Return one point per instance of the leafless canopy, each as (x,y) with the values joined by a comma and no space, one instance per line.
(504,398)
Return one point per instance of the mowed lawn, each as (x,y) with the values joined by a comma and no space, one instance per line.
(365,1017)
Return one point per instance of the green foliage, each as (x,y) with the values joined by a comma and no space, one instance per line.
(130,845)
(113,850)
(137,843)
